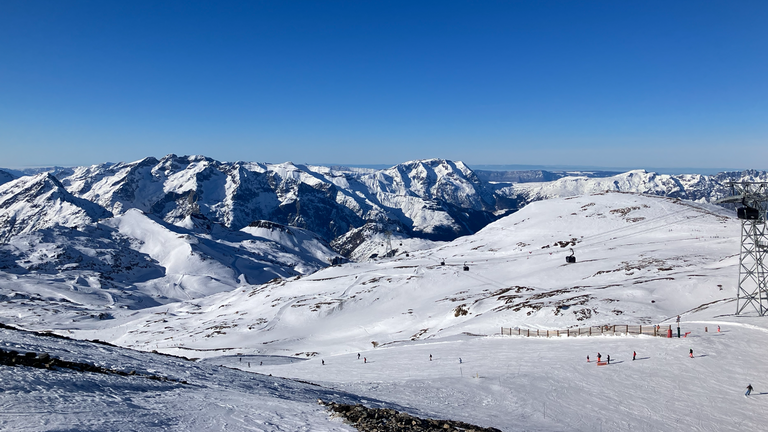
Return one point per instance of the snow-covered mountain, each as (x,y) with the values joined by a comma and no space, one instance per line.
(694,187)
(75,256)
(352,208)
(434,199)
(32,203)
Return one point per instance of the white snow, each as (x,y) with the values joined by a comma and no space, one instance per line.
(640,260)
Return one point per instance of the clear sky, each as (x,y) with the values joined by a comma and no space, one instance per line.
(601,83)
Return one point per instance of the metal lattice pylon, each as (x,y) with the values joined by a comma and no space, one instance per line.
(753,286)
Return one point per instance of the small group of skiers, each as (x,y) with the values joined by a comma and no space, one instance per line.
(608,357)
(600,357)
(634,356)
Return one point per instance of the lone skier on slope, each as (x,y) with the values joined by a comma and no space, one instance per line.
(749,390)
(599,357)
(634,354)
(691,353)
(609,359)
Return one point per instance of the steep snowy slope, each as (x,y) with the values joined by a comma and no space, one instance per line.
(28,204)
(432,198)
(63,256)
(133,261)
(640,260)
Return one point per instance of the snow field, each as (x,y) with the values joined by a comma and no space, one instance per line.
(546,384)
(640,260)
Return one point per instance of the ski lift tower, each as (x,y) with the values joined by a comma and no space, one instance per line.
(388,244)
(753,273)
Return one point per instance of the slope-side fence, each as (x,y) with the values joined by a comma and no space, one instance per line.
(650,330)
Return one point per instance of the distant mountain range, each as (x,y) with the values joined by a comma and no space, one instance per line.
(432,199)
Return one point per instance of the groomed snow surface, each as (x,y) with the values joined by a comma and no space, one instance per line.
(512,383)
(640,260)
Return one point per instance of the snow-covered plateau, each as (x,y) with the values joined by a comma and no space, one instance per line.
(259,326)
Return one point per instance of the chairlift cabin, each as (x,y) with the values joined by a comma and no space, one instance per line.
(571,259)
(749,213)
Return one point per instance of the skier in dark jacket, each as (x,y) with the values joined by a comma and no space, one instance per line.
(599,357)
(609,359)
(691,353)
(749,390)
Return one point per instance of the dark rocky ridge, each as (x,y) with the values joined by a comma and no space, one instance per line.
(388,420)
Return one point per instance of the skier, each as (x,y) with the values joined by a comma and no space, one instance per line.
(634,354)
(249,364)
(599,357)
(459,360)
(261,363)
(587,359)
(749,390)
(691,353)
(358,356)
(323,362)
(430,357)
(365,359)
(609,359)
(718,329)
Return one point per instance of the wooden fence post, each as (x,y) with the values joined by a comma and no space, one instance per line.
(529,332)
(627,329)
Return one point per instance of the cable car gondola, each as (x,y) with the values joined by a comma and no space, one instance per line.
(571,259)
(749,213)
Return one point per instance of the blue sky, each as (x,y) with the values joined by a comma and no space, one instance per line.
(635,84)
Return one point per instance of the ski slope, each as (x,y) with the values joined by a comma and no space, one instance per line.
(640,260)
